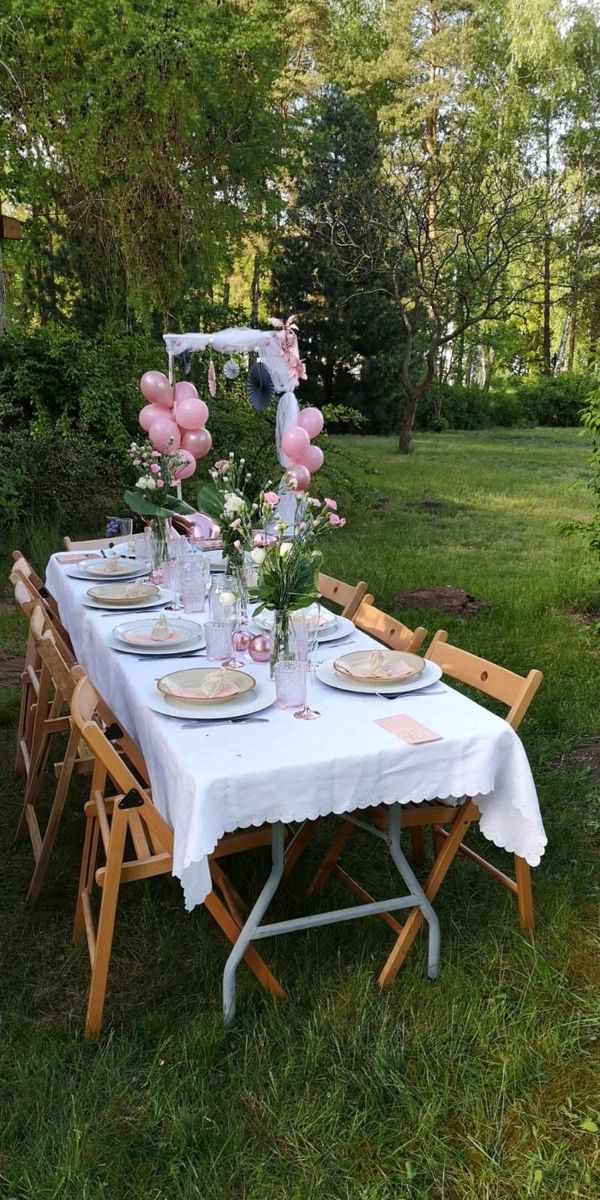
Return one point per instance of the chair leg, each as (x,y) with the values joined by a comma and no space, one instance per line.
(322,875)
(27,698)
(437,840)
(524,893)
(298,846)
(418,846)
(54,819)
(106,924)
(252,958)
(86,874)
(466,814)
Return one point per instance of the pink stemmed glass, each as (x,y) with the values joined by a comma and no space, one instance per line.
(306,631)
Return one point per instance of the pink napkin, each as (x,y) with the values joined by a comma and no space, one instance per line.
(410,731)
(144,639)
(213,690)
(375,668)
(76,557)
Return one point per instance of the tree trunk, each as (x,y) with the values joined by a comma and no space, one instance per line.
(574,300)
(407,423)
(255,291)
(546,347)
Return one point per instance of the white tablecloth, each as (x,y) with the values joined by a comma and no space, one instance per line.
(214,780)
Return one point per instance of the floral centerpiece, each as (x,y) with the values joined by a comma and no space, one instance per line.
(224,499)
(289,568)
(151,497)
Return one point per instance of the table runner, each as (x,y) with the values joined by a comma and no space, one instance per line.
(215,780)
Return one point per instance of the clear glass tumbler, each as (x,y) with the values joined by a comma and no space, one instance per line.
(219,639)
(290,682)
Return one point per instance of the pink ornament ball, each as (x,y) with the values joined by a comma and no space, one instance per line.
(164,435)
(311,420)
(241,641)
(148,414)
(156,388)
(185,391)
(188,466)
(313,459)
(301,477)
(198,442)
(260,648)
(295,443)
(191,413)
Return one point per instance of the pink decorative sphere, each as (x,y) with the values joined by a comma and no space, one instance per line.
(311,420)
(242,641)
(155,387)
(259,648)
(295,443)
(197,441)
(313,459)
(185,391)
(191,413)
(300,476)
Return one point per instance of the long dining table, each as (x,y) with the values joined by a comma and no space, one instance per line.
(220,777)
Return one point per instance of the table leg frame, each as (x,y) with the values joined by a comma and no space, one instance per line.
(253,930)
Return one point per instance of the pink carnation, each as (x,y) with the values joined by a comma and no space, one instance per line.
(160,483)
(221,464)
(156,453)
(235,524)
(155,468)
(332,504)
(271,498)
(335,520)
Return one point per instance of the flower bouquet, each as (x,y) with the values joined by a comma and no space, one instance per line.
(151,497)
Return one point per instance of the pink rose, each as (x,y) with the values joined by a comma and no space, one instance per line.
(271,498)
(331,504)
(155,468)
(160,483)
(335,520)
(156,453)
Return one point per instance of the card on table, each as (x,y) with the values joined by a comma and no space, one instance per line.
(410,731)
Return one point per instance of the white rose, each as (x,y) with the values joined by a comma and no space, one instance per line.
(285,548)
(150,483)
(146,482)
(258,556)
(233,503)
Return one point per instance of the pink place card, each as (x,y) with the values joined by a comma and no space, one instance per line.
(410,731)
(75,557)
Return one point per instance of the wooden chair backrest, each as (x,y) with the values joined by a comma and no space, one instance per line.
(516,691)
(23,597)
(347,595)
(25,568)
(42,598)
(56,657)
(387,629)
(94,543)
(86,704)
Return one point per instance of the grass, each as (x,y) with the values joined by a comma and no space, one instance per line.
(482,1087)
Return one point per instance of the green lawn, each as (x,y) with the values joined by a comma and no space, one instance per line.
(481,1086)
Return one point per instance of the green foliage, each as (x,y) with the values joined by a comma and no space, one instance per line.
(553,401)
(57,476)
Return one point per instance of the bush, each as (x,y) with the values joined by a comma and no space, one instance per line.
(555,401)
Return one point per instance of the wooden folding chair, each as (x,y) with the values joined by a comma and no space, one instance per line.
(58,676)
(347,595)
(95,543)
(516,692)
(38,592)
(388,630)
(30,685)
(127,823)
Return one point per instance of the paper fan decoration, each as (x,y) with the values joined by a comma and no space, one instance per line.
(260,387)
(212,378)
(231,369)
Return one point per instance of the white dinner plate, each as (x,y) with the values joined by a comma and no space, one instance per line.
(262,696)
(341,628)
(99,572)
(186,631)
(327,674)
(163,597)
(160,650)
(215,560)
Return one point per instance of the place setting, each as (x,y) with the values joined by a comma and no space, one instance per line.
(331,627)
(215,693)
(116,568)
(127,595)
(385,673)
(157,637)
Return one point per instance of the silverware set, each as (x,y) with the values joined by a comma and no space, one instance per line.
(196,723)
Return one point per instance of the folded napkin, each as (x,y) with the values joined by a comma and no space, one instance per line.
(215,686)
(137,589)
(76,556)
(161,631)
(378,665)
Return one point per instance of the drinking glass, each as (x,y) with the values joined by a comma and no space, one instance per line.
(290,676)
(122,527)
(219,639)
(171,580)
(194,576)
(305,626)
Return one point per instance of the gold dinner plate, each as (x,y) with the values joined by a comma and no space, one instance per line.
(122,593)
(196,677)
(360,658)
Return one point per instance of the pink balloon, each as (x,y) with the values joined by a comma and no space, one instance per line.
(156,388)
(295,443)
(191,413)
(311,420)
(185,391)
(197,441)
(313,459)
(301,475)
(148,414)
(164,435)
(187,467)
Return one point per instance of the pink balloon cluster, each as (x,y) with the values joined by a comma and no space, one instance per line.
(175,419)
(296,443)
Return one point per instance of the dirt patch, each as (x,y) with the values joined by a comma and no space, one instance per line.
(584,616)
(439,508)
(11,666)
(452,601)
(582,755)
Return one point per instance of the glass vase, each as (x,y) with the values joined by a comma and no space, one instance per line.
(160,538)
(280,637)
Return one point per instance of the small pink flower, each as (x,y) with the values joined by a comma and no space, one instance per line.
(156,453)
(155,468)
(271,498)
(237,544)
(332,504)
(235,524)
(335,520)
(160,483)
(221,464)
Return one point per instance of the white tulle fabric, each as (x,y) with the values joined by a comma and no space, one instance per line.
(215,780)
(265,343)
